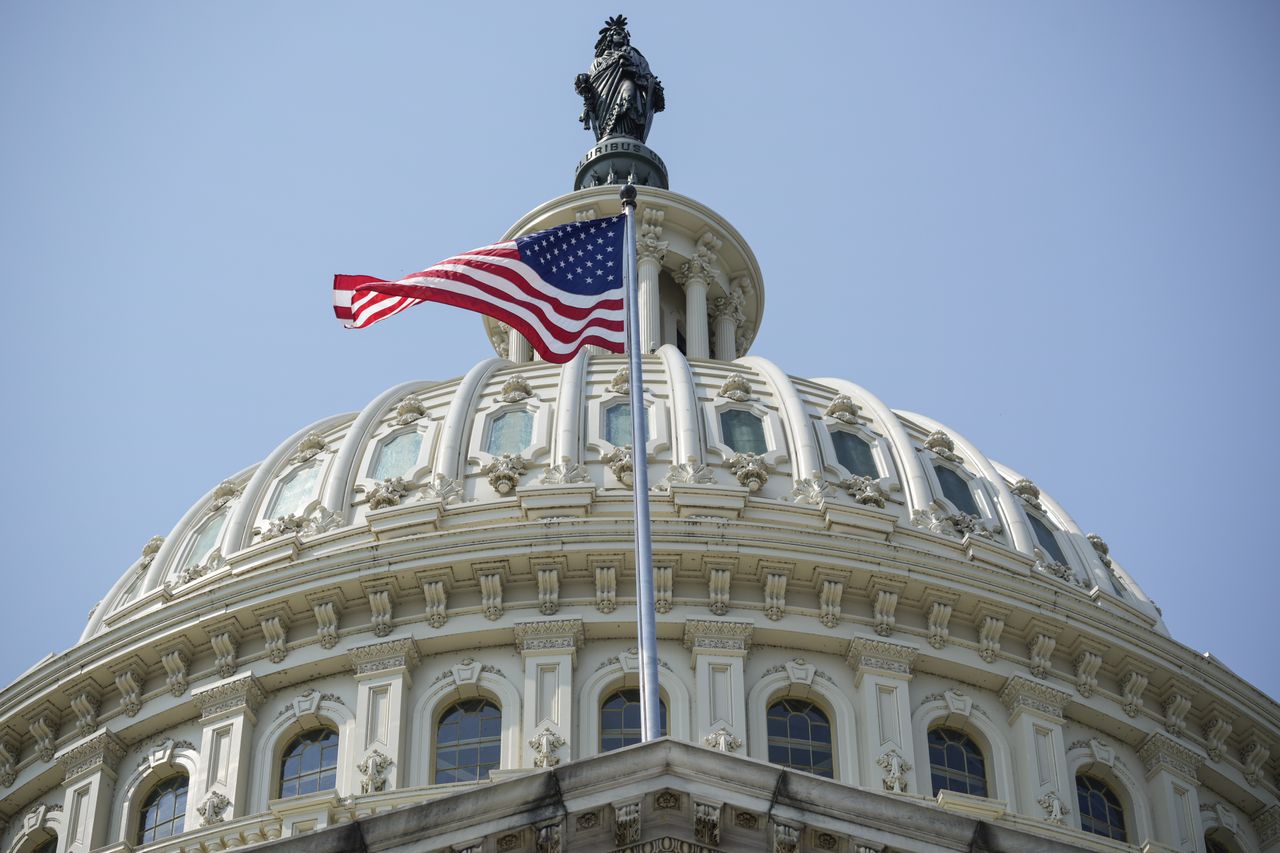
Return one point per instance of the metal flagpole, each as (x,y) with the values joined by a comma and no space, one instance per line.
(650,709)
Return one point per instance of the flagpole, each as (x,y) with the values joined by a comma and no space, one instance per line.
(650,707)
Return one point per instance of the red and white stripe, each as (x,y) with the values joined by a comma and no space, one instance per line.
(495,282)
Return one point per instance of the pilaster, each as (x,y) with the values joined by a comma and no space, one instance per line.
(549,649)
(227,712)
(1172,783)
(718,648)
(882,671)
(383,679)
(89,780)
(1040,753)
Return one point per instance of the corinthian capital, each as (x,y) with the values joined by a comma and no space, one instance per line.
(649,242)
(703,263)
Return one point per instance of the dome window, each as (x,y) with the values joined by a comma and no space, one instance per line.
(743,432)
(1100,810)
(468,742)
(617,424)
(1047,540)
(854,453)
(956,763)
(310,763)
(956,490)
(296,491)
(800,737)
(51,846)
(620,720)
(398,457)
(164,810)
(510,432)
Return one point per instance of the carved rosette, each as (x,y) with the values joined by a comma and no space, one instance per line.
(309,448)
(504,472)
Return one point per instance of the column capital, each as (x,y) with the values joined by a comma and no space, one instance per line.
(868,656)
(1268,825)
(703,265)
(103,751)
(391,657)
(1022,694)
(549,637)
(717,637)
(240,694)
(1162,752)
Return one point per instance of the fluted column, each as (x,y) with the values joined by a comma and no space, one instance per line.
(694,277)
(650,252)
(728,313)
(518,349)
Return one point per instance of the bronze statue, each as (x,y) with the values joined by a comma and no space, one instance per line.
(619,94)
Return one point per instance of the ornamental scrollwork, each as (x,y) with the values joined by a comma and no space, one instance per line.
(843,409)
(621,381)
(750,469)
(690,471)
(389,492)
(214,808)
(545,745)
(723,740)
(941,445)
(865,490)
(810,490)
(504,472)
(1028,491)
(895,769)
(621,464)
(565,473)
(309,448)
(736,387)
(410,409)
(150,550)
(374,770)
(441,488)
(319,520)
(1055,809)
(937,519)
(223,494)
(515,389)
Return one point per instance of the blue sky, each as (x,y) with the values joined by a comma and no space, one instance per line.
(1054,227)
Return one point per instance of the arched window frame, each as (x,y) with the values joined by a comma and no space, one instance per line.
(162,763)
(658,439)
(1222,826)
(278,789)
(187,556)
(441,696)
(424,427)
(1060,536)
(1130,791)
(775,437)
(41,824)
(880,450)
(302,713)
(273,494)
(624,674)
(977,487)
(829,697)
(967,718)
(490,409)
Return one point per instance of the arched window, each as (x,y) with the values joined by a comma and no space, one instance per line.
(1212,846)
(854,453)
(620,719)
(310,763)
(51,846)
(468,741)
(617,425)
(163,810)
(1100,809)
(956,763)
(398,457)
(296,491)
(743,432)
(956,490)
(1047,540)
(510,432)
(800,737)
(203,545)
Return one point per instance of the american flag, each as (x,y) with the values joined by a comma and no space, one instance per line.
(561,288)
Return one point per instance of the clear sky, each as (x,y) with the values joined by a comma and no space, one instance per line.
(1053,226)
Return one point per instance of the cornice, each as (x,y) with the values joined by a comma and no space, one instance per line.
(103,751)
(1021,694)
(1162,752)
(549,636)
(388,657)
(867,655)
(717,636)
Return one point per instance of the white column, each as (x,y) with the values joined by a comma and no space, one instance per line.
(518,349)
(89,782)
(1172,783)
(729,312)
(383,681)
(227,713)
(694,276)
(882,673)
(718,648)
(650,252)
(1040,755)
(550,649)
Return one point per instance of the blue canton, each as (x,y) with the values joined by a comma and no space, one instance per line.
(581,257)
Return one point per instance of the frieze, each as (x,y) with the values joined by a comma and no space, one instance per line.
(384,657)
(1023,694)
(550,634)
(868,655)
(244,693)
(103,750)
(1161,752)
(717,634)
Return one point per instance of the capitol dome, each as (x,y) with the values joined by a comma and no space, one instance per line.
(412,627)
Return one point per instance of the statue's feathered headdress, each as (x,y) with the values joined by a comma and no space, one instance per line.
(617,22)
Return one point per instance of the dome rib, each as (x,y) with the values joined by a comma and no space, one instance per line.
(915,483)
(457,423)
(1009,508)
(341,483)
(684,406)
(241,520)
(805,461)
(566,442)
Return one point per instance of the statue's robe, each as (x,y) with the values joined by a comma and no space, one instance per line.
(623,88)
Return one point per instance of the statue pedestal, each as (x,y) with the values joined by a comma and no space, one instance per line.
(617,159)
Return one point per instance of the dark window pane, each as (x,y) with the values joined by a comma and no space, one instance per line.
(800,737)
(309,763)
(1100,810)
(620,722)
(956,490)
(1047,540)
(468,742)
(956,763)
(743,431)
(163,810)
(854,454)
